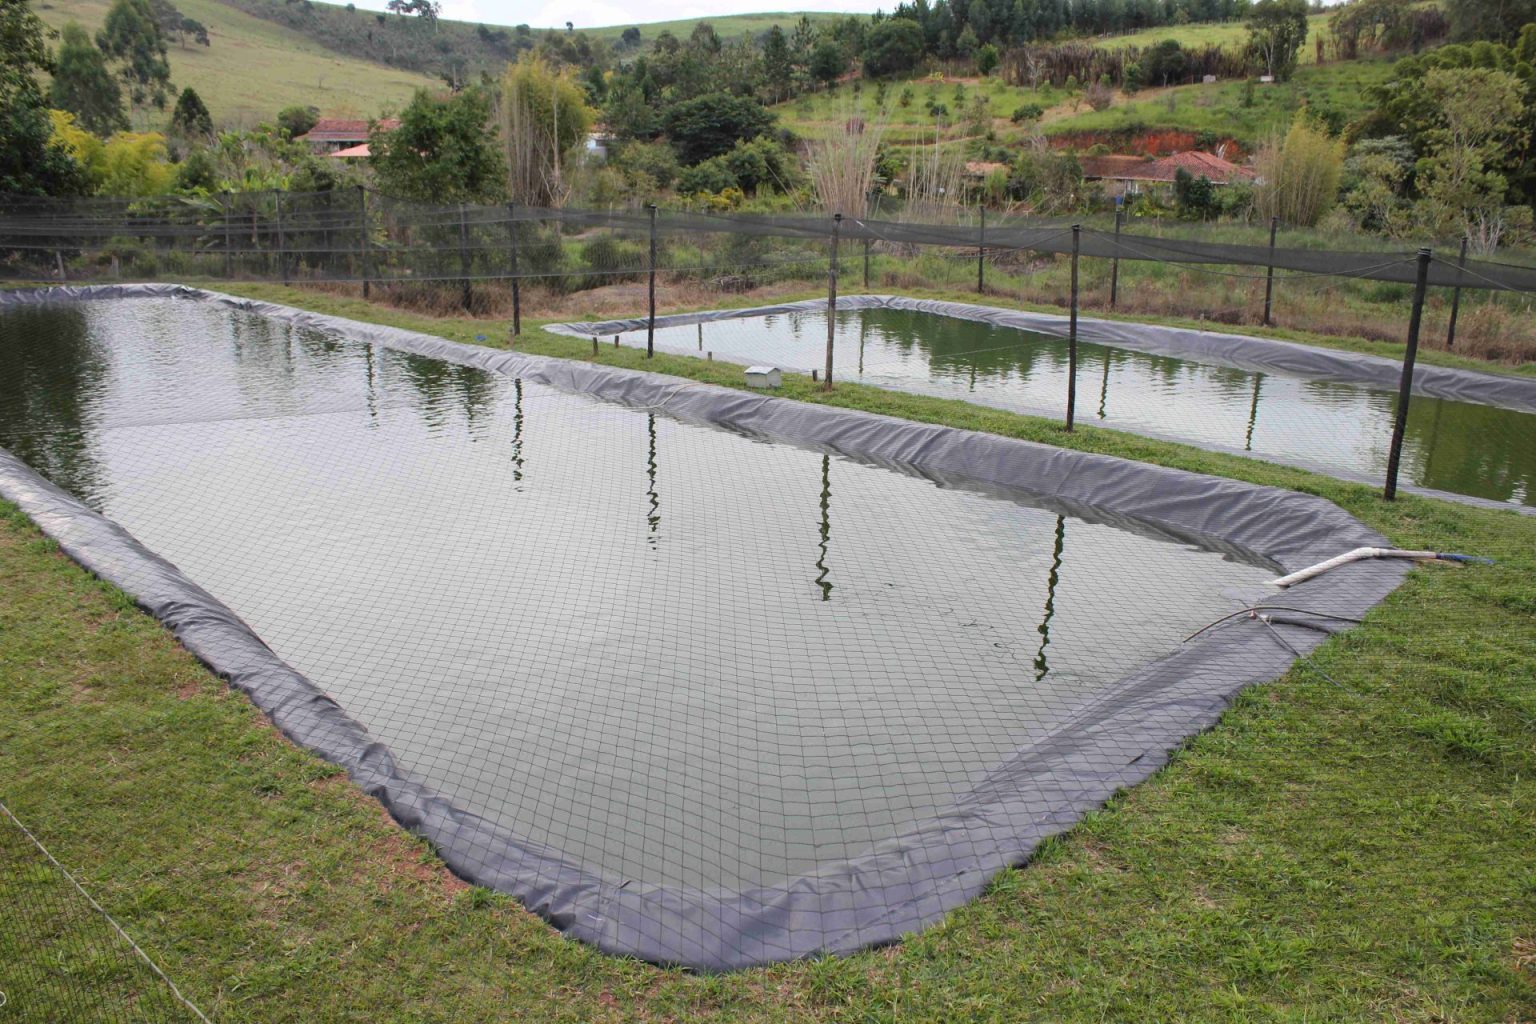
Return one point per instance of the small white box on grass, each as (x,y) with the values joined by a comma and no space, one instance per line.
(763,377)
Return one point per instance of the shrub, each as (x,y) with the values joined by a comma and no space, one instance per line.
(1027,112)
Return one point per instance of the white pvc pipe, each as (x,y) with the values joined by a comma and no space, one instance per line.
(1357,555)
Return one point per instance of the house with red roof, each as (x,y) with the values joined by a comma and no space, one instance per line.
(332,134)
(1132,175)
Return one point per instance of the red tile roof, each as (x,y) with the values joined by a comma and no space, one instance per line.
(346,129)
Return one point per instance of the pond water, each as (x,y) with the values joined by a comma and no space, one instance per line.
(1459,447)
(673,653)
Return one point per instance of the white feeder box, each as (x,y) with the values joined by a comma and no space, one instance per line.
(763,377)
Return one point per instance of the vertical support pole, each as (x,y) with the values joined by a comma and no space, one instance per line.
(981,254)
(1269,274)
(1461,265)
(837,225)
(1114,267)
(517,289)
(866,262)
(871,201)
(467,299)
(1077,233)
(362,235)
(282,242)
(226,202)
(1405,386)
(650,323)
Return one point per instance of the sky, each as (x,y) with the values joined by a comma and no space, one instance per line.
(599,13)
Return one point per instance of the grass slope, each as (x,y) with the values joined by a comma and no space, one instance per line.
(1358,851)
(726,26)
(1219,33)
(254,68)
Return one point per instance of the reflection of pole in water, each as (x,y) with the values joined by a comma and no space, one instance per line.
(517,429)
(654,519)
(701,335)
(370,373)
(863,331)
(1253,412)
(826,528)
(1104,387)
(1041,665)
(1434,440)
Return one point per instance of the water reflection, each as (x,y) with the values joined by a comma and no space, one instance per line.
(825,531)
(1453,446)
(51,372)
(1042,666)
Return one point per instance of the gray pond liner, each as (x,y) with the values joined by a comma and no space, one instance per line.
(900,884)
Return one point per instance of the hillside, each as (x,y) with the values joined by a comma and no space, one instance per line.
(728,26)
(255,68)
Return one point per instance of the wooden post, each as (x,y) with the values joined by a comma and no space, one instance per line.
(464,269)
(1114,267)
(1077,232)
(981,254)
(282,242)
(1269,275)
(1405,386)
(650,323)
(362,235)
(1461,266)
(837,224)
(229,239)
(517,290)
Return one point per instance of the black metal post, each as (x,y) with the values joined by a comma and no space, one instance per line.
(1077,232)
(1269,274)
(650,323)
(229,240)
(362,235)
(837,224)
(517,290)
(1405,386)
(282,242)
(866,262)
(981,254)
(468,299)
(1114,267)
(1461,266)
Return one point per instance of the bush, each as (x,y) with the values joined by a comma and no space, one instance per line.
(892,47)
(614,259)
(713,175)
(1027,112)
(1099,95)
(711,125)
(655,160)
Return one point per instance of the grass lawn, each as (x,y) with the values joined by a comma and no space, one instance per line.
(1218,33)
(1359,851)
(255,68)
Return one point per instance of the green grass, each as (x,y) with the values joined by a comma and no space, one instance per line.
(1217,33)
(1219,107)
(726,26)
(1351,852)
(255,68)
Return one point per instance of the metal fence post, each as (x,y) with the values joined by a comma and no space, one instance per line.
(981,254)
(464,269)
(282,242)
(517,291)
(650,323)
(362,234)
(1269,273)
(1405,386)
(837,224)
(1114,266)
(229,244)
(1077,232)
(1461,266)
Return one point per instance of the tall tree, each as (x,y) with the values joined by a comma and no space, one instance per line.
(543,116)
(84,86)
(1276,30)
(132,35)
(1478,114)
(191,119)
(443,151)
(30,163)
(778,66)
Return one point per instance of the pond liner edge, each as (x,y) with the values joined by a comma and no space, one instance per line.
(898,886)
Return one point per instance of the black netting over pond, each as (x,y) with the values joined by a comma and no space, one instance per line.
(701,676)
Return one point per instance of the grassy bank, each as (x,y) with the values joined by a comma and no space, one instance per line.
(1358,851)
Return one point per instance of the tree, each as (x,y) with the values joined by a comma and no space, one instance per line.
(778,67)
(712,124)
(543,116)
(1478,120)
(1194,198)
(1299,175)
(84,86)
(892,47)
(1497,21)
(297,121)
(443,151)
(132,35)
(30,164)
(1276,30)
(426,10)
(630,38)
(191,119)
(828,62)
(987,60)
